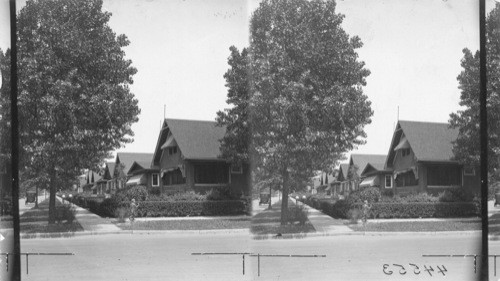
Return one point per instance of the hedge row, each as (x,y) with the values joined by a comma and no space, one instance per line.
(340,209)
(191,208)
(108,207)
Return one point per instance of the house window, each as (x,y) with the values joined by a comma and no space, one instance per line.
(405,152)
(388,181)
(406,179)
(237,168)
(443,175)
(172,150)
(155,179)
(469,171)
(212,173)
(173,177)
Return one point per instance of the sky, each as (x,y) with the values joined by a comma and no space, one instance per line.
(413,49)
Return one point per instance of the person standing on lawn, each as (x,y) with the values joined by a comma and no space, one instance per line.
(133,209)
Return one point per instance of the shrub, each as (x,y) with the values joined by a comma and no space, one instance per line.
(216,194)
(387,193)
(354,215)
(186,196)
(455,195)
(191,208)
(419,197)
(155,190)
(66,213)
(423,210)
(137,192)
(297,213)
(121,213)
(370,194)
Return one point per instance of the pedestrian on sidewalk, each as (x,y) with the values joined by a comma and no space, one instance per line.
(133,209)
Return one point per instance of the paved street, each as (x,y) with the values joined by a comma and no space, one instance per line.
(168,257)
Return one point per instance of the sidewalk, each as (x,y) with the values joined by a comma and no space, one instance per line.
(92,223)
(328,226)
(324,224)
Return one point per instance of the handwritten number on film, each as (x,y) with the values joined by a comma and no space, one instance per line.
(416,269)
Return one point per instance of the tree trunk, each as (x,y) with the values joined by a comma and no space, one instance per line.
(52,196)
(36,197)
(284,197)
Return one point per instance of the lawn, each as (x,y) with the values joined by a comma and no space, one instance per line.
(36,221)
(269,222)
(191,224)
(418,226)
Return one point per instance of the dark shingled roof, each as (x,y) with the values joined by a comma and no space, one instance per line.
(197,139)
(361,160)
(430,141)
(128,158)
(345,170)
(109,169)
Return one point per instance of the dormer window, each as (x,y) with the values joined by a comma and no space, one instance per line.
(170,145)
(172,150)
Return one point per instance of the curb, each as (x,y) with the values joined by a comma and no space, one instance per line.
(135,232)
(360,233)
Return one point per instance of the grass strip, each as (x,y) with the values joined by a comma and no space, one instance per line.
(269,222)
(187,224)
(418,226)
(36,221)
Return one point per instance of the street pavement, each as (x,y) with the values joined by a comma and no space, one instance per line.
(170,257)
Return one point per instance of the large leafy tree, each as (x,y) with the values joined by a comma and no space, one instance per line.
(75,105)
(236,142)
(307,106)
(466,147)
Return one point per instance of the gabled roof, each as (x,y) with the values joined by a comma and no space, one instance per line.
(197,140)
(343,171)
(374,168)
(430,142)
(361,160)
(128,158)
(139,166)
(90,177)
(109,169)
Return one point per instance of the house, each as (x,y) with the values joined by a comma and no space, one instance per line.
(352,171)
(188,157)
(340,184)
(123,163)
(375,175)
(107,175)
(141,173)
(88,182)
(421,160)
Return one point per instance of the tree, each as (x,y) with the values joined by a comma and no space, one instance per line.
(236,142)
(307,106)
(466,147)
(75,105)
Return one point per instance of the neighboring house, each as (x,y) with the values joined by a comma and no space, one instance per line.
(109,169)
(88,182)
(374,174)
(123,163)
(340,186)
(141,173)
(421,160)
(352,171)
(94,182)
(187,155)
